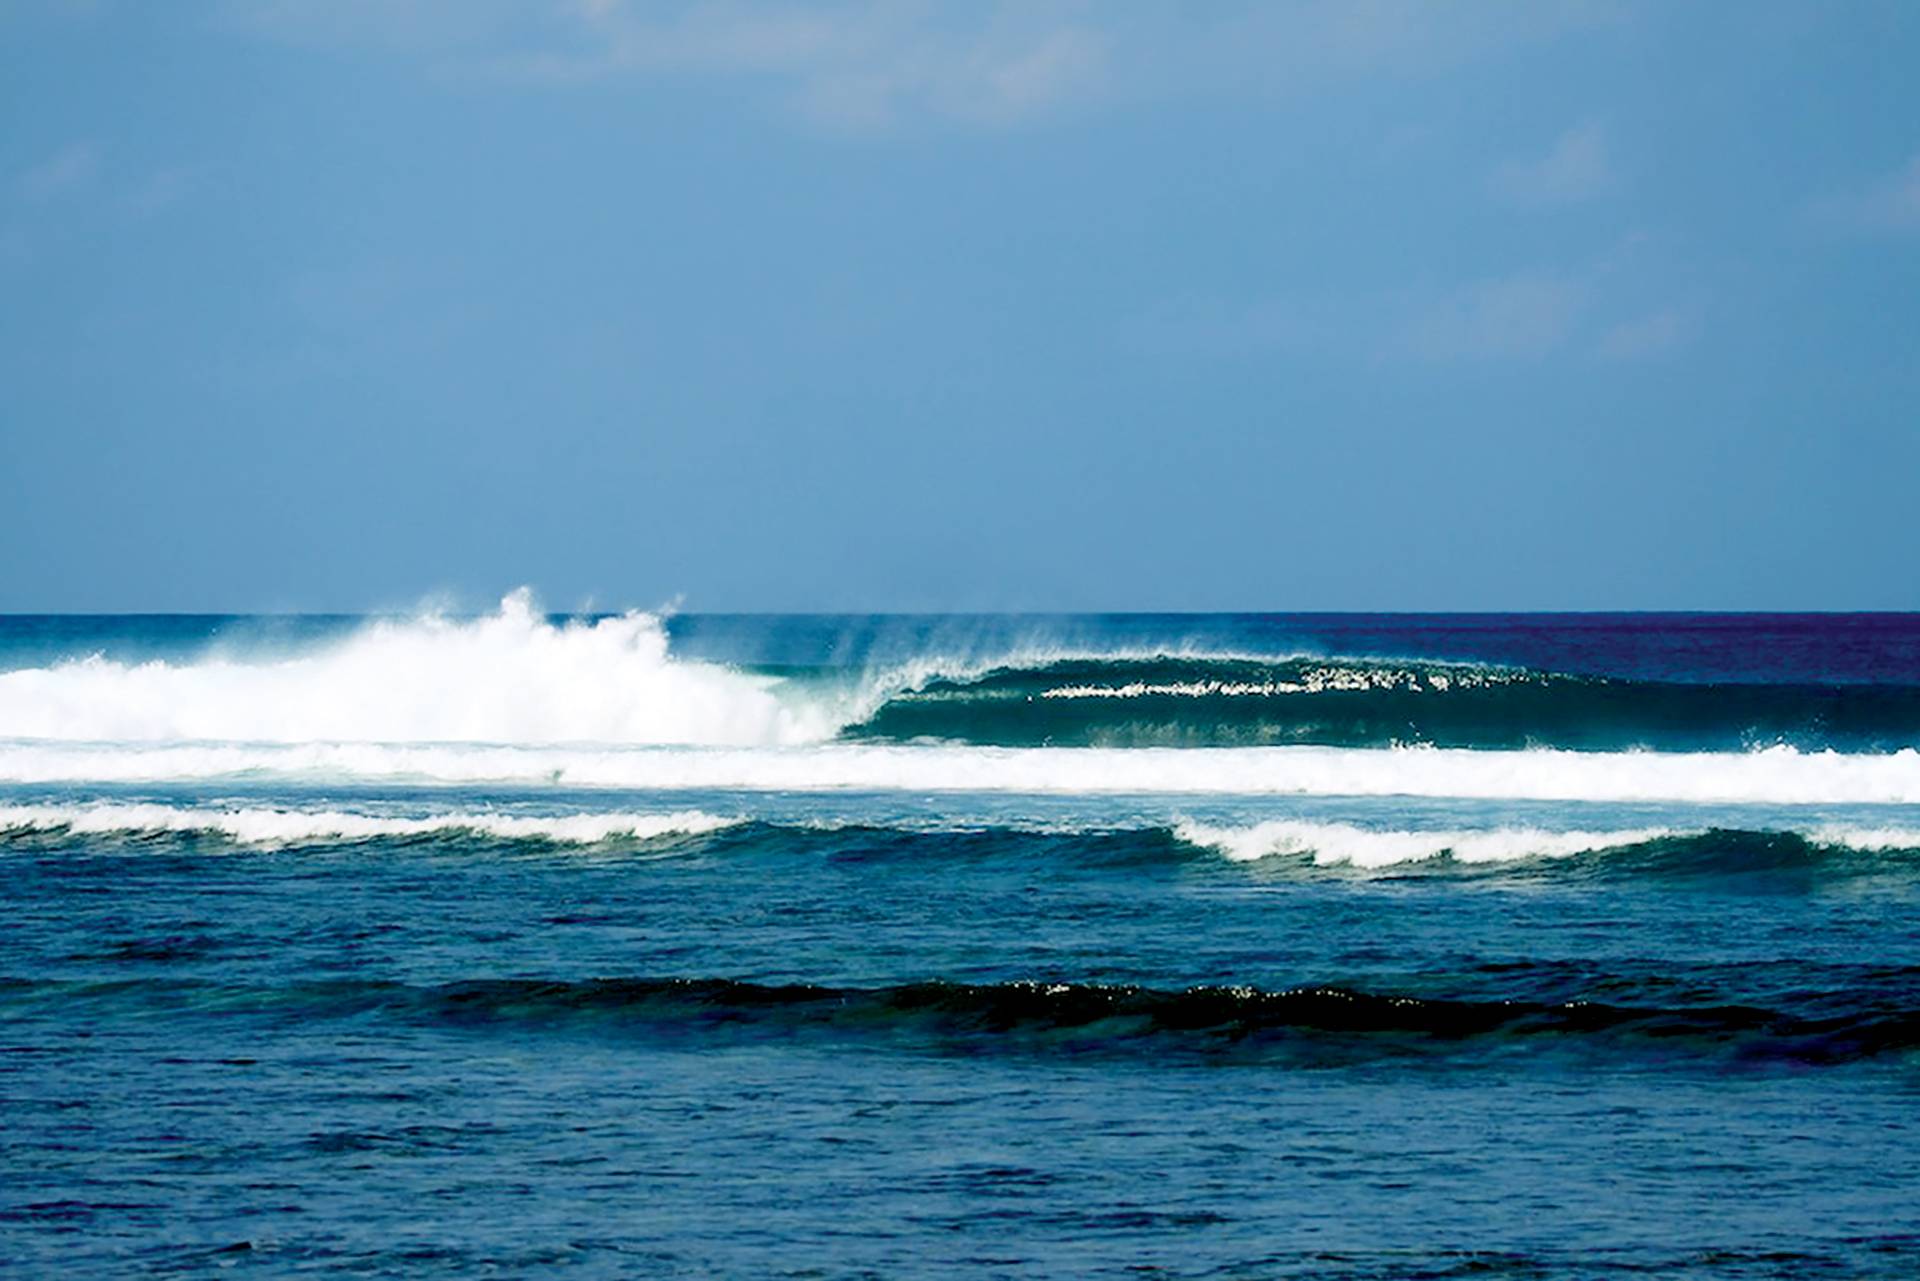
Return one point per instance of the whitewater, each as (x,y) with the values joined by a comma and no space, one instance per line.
(513,676)
(289,826)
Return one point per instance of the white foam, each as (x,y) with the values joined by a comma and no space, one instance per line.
(1333,844)
(1775,775)
(510,677)
(266,826)
(1345,678)
(1868,839)
(1328,844)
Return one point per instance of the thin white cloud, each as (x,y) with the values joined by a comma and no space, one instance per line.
(429,26)
(1526,315)
(161,191)
(1613,307)
(859,67)
(1188,326)
(71,167)
(867,65)
(1658,333)
(1578,167)
(1890,203)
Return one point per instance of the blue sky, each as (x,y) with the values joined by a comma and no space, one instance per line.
(335,304)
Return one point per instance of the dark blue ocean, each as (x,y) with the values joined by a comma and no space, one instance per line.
(1329,946)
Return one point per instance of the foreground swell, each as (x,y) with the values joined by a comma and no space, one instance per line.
(1246,1024)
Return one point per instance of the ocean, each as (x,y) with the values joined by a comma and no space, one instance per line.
(1315,946)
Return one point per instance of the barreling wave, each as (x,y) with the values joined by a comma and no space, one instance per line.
(1818,847)
(1246,1022)
(1206,701)
(1778,775)
(519,678)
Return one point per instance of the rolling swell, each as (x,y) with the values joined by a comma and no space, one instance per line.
(1198,701)
(1279,846)
(1024,1016)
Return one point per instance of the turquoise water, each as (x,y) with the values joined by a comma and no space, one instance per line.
(1388,946)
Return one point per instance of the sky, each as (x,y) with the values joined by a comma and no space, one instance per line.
(345,304)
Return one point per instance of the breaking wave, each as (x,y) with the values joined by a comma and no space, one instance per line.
(1342,843)
(520,677)
(269,826)
(514,676)
(1704,850)
(933,840)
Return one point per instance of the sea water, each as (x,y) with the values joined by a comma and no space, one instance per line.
(1268,945)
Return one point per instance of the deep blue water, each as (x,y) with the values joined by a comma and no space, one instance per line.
(1290,946)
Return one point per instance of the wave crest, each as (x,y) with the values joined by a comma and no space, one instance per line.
(1297,843)
(263,826)
(1645,848)
(1334,844)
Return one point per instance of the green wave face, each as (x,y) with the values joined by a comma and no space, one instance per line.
(1177,701)
(1311,1022)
